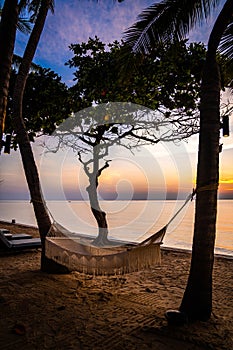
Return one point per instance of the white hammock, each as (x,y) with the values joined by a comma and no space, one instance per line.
(77,253)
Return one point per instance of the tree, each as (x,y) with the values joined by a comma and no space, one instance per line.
(166,21)
(93,131)
(46,103)
(8,26)
(40,10)
(43,220)
(10,22)
(151,84)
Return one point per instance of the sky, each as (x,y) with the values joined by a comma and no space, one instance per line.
(174,167)
(74,21)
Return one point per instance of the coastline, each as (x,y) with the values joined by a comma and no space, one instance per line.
(78,311)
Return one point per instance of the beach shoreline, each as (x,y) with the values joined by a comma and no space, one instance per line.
(78,311)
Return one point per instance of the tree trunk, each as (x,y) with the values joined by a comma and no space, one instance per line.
(197,299)
(99,215)
(8,25)
(30,168)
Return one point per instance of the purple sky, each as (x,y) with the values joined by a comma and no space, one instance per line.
(76,20)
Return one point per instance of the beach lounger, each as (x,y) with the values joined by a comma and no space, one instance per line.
(19,244)
(11,236)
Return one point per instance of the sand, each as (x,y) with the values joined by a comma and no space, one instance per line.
(77,311)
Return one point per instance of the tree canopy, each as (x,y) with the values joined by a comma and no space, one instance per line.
(167,78)
(47,102)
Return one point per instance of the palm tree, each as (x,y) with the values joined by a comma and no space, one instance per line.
(10,22)
(8,26)
(172,20)
(40,9)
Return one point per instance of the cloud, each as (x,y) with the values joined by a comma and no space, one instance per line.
(76,21)
(226,181)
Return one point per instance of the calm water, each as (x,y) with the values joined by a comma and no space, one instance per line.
(130,220)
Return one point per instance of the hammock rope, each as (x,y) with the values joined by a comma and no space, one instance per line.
(161,233)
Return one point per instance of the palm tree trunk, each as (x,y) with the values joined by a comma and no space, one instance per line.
(197,299)
(30,168)
(8,27)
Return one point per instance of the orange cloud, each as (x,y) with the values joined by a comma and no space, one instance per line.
(226,181)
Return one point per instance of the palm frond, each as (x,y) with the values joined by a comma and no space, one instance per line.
(226,45)
(226,50)
(24,25)
(166,21)
(22,5)
(17,60)
(34,8)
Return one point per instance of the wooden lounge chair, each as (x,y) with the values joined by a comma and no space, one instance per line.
(19,244)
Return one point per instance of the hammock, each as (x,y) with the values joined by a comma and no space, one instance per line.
(77,253)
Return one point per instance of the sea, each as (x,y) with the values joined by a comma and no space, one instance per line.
(131,220)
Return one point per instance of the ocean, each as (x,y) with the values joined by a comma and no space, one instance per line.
(130,220)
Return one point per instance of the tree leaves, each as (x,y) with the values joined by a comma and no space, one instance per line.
(47,102)
(168,78)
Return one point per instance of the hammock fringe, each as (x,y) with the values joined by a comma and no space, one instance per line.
(114,261)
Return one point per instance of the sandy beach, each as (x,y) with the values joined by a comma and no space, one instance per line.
(78,311)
